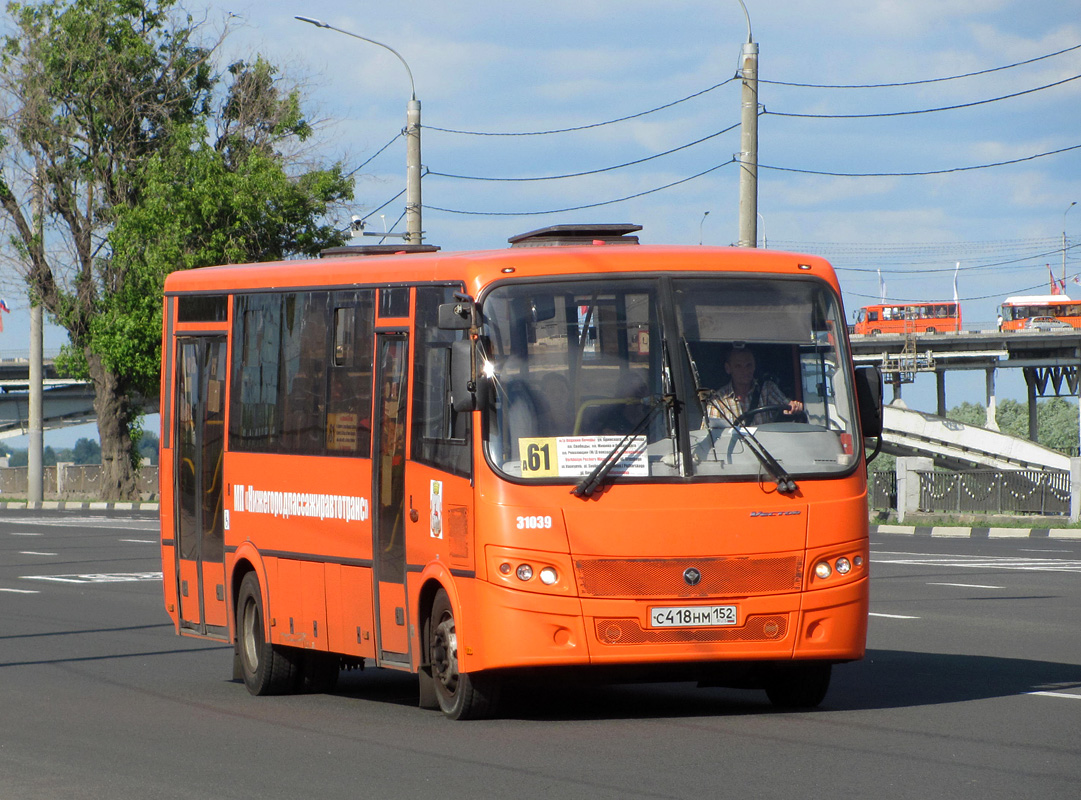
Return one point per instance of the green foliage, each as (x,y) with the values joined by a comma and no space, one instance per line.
(152,158)
(1056,420)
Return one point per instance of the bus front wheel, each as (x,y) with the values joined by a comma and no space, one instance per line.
(461,695)
(798,685)
(265,668)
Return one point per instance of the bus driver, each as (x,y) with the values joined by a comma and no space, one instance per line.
(744,392)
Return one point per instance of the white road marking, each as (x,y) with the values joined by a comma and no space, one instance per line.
(19,591)
(98,577)
(977,562)
(891,616)
(35,553)
(1058,694)
(25,533)
(968,585)
(85,522)
(140,541)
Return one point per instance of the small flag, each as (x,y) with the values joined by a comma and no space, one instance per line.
(3,307)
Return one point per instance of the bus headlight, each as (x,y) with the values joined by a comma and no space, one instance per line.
(844,566)
(525,572)
(548,576)
(823,570)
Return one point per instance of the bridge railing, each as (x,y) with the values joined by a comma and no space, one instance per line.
(72,482)
(915,486)
(981,491)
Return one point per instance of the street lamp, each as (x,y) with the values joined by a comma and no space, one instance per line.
(701,222)
(414,231)
(748,141)
(1064,213)
(765,244)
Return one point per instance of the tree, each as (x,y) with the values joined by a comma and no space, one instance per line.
(146,158)
(86,451)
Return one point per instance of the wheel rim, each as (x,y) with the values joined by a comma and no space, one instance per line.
(445,656)
(252,631)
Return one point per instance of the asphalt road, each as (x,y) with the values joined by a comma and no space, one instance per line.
(971,689)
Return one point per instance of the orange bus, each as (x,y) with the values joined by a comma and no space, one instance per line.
(1040,312)
(909,318)
(477,466)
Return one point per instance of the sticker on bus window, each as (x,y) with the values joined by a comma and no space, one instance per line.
(577,456)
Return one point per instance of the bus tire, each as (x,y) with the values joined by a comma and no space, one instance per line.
(265,668)
(461,695)
(798,685)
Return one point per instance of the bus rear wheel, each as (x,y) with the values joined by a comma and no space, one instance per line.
(798,685)
(265,668)
(461,695)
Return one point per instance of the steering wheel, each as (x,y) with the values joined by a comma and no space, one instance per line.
(773,408)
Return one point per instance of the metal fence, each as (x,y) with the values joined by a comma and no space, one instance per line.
(1022,491)
(882,489)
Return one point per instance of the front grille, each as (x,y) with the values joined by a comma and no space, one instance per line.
(661,578)
(764,628)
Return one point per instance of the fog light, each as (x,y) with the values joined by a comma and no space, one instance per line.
(548,576)
(844,566)
(525,572)
(822,569)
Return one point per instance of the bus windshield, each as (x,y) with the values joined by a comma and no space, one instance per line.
(679,372)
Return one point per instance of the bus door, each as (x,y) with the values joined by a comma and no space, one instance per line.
(199,401)
(388,475)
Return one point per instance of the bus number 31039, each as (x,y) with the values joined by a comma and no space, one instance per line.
(534,523)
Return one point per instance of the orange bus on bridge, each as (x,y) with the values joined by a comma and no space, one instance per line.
(474,466)
(1040,312)
(909,318)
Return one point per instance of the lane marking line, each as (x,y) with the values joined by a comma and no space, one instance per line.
(891,616)
(140,541)
(968,585)
(1057,694)
(35,553)
(19,591)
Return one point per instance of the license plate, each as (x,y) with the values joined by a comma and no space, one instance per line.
(692,616)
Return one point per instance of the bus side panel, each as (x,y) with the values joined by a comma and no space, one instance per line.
(350,628)
(444,526)
(310,518)
(168,535)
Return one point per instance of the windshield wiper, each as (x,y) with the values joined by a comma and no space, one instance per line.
(595,479)
(785,484)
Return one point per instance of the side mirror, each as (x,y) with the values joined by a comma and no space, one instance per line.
(869,400)
(463,374)
(456,316)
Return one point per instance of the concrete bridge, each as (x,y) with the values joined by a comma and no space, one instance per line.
(64,401)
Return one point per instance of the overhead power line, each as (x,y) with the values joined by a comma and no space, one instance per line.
(586,127)
(923,172)
(592,171)
(582,207)
(919,82)
(921,110)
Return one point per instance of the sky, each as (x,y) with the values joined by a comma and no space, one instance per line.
(832,180)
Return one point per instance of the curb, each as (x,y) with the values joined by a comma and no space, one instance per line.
(64,505)
(949,532)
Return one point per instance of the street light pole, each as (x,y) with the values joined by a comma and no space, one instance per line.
(413,224)
(748,156)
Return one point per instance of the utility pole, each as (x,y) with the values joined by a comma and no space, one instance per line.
(748,142)
(414,229)
(35,467)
